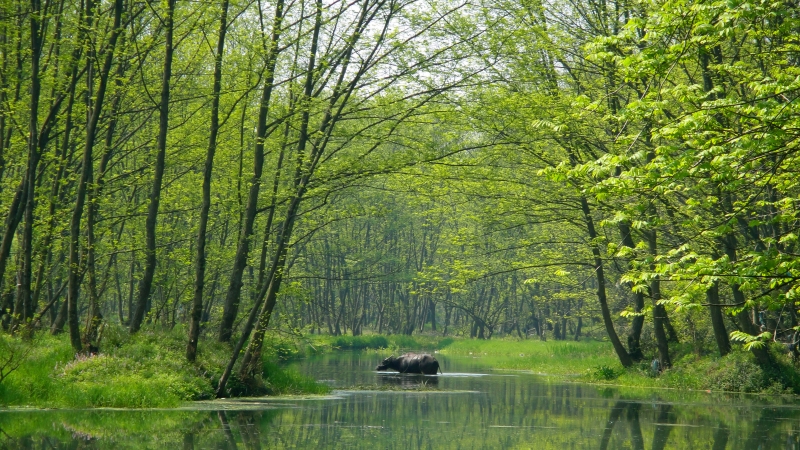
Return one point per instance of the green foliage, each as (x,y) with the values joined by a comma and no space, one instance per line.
(13,353)
(287,381)
(595,362)
(560,358)
(146,370)
(397,342)
(605,373)
(360,342)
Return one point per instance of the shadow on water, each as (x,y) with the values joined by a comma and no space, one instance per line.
(624,425)
(407,380)
(630,412)
(466,410)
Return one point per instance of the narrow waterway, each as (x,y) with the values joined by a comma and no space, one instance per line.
(468,407)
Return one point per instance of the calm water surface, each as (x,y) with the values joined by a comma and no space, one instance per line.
(469,407)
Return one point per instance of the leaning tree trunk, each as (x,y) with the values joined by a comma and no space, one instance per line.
(29,181)
(717,319)
(200,269)
(659,312)
(146,283)
(634,337)
(231,307)
(87,175)
(622,354)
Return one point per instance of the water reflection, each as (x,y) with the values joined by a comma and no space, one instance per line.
(630,413)
(490,411)
(407,380)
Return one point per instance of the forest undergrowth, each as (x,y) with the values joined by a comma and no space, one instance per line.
(148,370)
(592,361)
(595,362)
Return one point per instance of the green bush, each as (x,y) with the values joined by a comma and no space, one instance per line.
(145,370)
(360,342)
(605,373)
(282,381)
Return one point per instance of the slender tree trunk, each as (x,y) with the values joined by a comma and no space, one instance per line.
(252,357)
(744,321)
(87,175)
(200,270)
(306,164)
(36,20)
(634,345)
(717,319)
(659,312)
(231,307)
(146,283)
(622,354)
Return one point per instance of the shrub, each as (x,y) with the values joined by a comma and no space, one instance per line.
(360,342)
(282,381)
(605,373)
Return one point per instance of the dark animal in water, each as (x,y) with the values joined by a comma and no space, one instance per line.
(411,363)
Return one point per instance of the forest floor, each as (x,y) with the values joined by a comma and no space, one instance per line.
(147,370)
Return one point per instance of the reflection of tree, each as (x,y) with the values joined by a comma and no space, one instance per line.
(636,429)
(249,430)
(632,412)
(663,426)
(613,418)
(762,431)
(226,427)
(721,437)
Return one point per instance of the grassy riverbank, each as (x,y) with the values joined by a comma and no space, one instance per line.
(147,370)
(594,362)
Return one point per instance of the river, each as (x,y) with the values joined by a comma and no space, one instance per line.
(468,407)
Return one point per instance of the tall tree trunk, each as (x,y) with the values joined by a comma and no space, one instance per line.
(744,321)
(36,19)
(270,289)
(305,167)
(717,319)
(231,306)
(634,337)
(146,283)
(659,312)
(200,270)
(622,354)
(87,174)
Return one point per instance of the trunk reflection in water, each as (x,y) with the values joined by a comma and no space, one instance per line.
(467,407)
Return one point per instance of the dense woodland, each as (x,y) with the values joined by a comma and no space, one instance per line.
(625,170)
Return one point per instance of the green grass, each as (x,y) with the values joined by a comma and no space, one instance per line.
(288,381)
(326,343)
(549,358)
(736,372)
(596,362)
(147,370)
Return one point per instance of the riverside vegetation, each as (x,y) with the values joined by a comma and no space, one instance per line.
(147,371)
(237,171)
(143,371)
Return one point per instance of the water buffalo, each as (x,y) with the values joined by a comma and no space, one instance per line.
(411,363)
